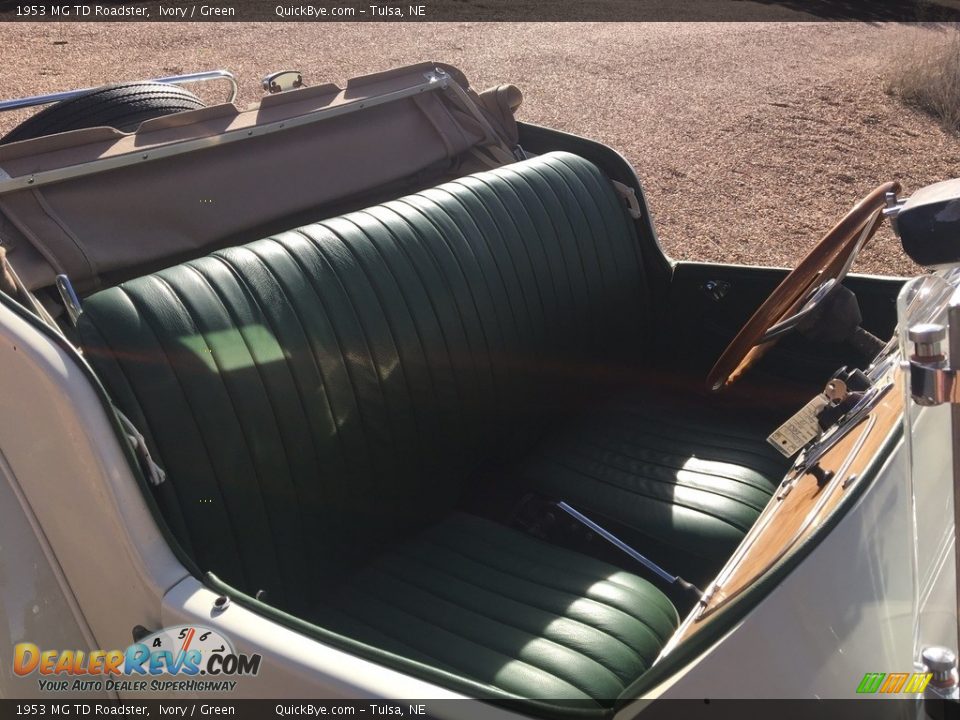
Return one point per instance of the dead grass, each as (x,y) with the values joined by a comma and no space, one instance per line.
(925,74)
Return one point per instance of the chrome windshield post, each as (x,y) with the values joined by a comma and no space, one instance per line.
(933,382)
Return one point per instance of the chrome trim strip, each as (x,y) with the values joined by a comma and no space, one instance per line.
(17,103)
(47,177)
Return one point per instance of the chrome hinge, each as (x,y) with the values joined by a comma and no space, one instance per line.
(933,373)
(438,75)
(893,204)
(629,196)
(70,300)
(708,595)
(787,486)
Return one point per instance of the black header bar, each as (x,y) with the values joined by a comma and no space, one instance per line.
(484,10)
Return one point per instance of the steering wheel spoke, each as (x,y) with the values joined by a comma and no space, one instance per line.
(811,302)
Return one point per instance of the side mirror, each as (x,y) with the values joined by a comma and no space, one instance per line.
(928,224)
(282,81)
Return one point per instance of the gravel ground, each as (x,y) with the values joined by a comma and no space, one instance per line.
(750,139)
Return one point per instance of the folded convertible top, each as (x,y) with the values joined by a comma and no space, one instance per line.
(99,204)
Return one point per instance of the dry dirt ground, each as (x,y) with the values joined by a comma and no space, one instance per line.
(750,139)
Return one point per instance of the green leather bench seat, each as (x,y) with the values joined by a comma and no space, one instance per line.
(324,400)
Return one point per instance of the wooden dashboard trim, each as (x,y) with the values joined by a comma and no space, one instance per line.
(792,516)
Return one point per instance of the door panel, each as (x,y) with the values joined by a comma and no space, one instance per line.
(700,323)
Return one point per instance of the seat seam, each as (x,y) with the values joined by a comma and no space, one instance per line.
(267,394)
(609,229)
(512,598)
(378,601)
(504,623)
(388,408)
(578,201)
(396,346)
(648,479)
(547,316)
(504,381)
(507,571)
(494,374)
(372,596)
(702,443)
(588,575)
(631,235)
(414,321)
(328,402)
(628,231)
(674,466)
(243,432)
(647,591)
(293,375)
(408,553)
(564,260)
(748,442)
(475,361)
(200,435)
(365,621)
(551,329)
(507,250)
(678,482)
(143,411)
(496,263)
(577,471)
(574,236)
(397,242)
(347,366)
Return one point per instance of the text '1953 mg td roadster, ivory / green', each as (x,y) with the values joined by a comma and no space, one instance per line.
(375,391)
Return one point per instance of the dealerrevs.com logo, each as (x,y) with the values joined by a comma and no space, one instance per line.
(184,658)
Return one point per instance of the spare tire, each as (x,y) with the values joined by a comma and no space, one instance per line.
(122,106)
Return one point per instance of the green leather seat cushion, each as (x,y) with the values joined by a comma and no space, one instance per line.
(507,610)
(673,478)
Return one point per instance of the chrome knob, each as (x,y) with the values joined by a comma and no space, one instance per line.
(926,339)
(942,662)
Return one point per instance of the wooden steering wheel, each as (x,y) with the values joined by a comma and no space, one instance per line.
(804,289)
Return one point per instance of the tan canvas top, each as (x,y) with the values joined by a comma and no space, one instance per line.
(92,203)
